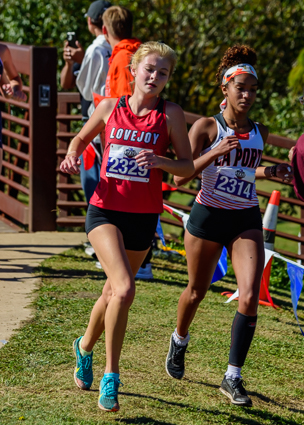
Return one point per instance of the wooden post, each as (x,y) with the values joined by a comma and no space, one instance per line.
(43,105)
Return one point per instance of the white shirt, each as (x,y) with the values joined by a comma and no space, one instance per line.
(93,71)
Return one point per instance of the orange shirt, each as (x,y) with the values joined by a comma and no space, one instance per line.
(119,76)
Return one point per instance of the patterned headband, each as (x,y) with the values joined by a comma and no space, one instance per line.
(242,68)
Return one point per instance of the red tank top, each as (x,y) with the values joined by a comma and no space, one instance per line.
(124,186)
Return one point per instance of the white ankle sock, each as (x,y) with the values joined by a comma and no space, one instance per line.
(180,340)
(82,351)
(233,372)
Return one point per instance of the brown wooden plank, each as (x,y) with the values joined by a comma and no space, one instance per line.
(16,153)
(21,121)
(289,236)
(21,56)
(184,208)
(15,185)
(290,254)
(14,208)
(10,101)
(69,186)
(67,117)
(16,169)
(64,134)
(16,136)
(67,97)
(280,141)
(171,221)
(72,204)
(71,220)
(282,198)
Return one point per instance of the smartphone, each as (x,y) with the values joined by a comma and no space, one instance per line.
(71,37)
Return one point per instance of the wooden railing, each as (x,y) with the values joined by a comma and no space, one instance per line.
(29,192)
(71,203)
(28,179)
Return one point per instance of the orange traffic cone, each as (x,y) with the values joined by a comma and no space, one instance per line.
(269,227)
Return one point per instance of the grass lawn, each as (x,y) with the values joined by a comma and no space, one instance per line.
(36,380)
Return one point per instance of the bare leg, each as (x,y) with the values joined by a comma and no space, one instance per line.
(202,258)
(247,257)
(111,309)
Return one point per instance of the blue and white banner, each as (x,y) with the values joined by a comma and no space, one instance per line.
(295,274)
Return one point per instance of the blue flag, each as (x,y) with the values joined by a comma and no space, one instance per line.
(221,267)
(160,232)
(295,274)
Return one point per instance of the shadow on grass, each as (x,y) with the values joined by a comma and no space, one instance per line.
(71,274)
(143,420)
(261,415)
(170,282)
(163,269)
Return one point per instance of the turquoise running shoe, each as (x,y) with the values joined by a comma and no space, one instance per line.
(108,391)
(83,373)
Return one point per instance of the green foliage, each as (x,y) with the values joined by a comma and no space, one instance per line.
(284,116)
(199,31)
(296,75)
(279,277)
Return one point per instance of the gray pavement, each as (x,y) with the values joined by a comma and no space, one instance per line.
(19,254)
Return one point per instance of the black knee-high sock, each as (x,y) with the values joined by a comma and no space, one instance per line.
(242,332)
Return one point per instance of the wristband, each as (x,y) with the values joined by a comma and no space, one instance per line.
(273,171)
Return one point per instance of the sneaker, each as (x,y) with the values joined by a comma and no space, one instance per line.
(175,362)
(234,390)
(90,251)
(83,374)
(98,265)
(145,273)
(108,392)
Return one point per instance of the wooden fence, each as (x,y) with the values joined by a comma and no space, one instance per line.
(28,179)
(33,191)
(71,204)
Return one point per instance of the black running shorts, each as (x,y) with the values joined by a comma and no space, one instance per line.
(222,225)
(138,229)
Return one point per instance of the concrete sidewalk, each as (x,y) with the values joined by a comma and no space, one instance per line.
(19,254)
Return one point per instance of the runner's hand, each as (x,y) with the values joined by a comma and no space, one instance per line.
(227,145)
(70,165)
(148,160)
(284,172)
(7,90)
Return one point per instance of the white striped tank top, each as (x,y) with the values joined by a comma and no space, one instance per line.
(229,181)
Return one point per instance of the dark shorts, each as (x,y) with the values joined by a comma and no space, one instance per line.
(222,225)
(138,229)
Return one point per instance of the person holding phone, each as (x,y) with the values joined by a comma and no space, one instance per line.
(88,71)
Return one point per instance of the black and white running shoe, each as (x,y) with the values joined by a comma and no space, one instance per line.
(235,391)
(175,362)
